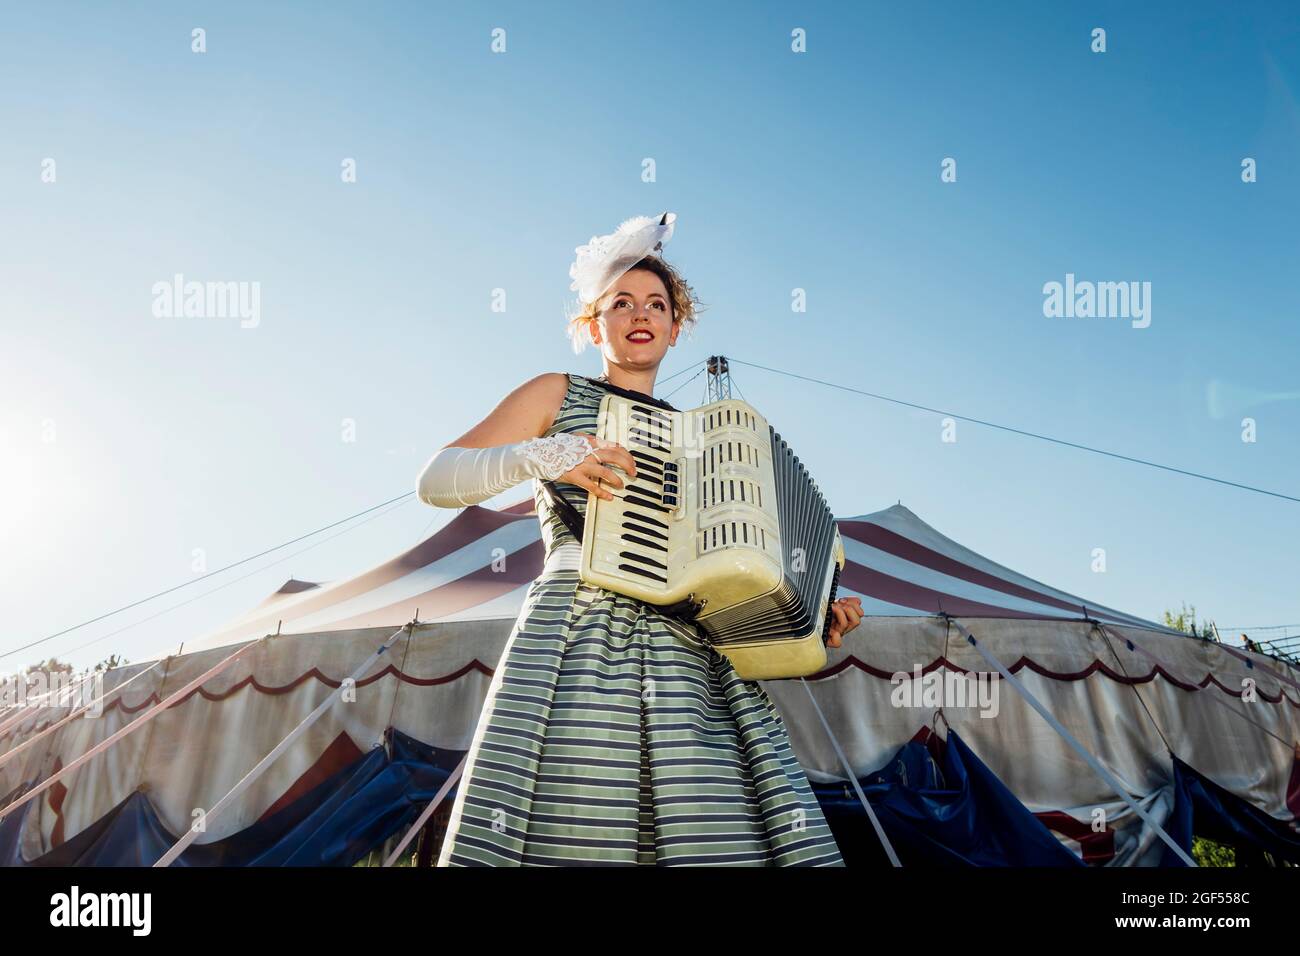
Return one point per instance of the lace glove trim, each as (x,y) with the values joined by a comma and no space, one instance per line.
(552,456)
(455,477)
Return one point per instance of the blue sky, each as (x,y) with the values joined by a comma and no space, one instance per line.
(130,440)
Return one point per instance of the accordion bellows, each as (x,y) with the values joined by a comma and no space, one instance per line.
(724,525)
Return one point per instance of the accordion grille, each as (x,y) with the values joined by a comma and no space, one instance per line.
(807,537)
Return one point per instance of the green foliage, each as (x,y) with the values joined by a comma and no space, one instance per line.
(376,857)
(1208,853)
(1185,621)
(1204,852)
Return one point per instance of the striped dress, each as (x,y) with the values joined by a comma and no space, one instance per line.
(611,735)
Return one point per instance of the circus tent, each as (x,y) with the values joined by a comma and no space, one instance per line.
(1152,735)
(479,566)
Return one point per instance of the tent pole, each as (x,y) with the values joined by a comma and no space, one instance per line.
(1070,739)
(853,778)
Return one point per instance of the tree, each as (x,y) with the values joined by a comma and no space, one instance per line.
(50,666)
(111,661)
(1185,621)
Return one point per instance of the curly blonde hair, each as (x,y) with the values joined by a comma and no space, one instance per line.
(685,305)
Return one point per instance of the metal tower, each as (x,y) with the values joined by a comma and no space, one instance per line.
(719,379)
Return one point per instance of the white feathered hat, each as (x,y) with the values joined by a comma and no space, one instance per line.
(604,260)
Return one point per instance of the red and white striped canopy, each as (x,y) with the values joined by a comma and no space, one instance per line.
(480,565)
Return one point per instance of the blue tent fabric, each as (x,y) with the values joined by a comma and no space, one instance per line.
(11,828)
(1203,808)
(334,824)
(938,802)
(940,806)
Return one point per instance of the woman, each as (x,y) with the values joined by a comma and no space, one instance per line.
(611,733)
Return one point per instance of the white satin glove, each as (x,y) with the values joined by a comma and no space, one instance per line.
(455,477)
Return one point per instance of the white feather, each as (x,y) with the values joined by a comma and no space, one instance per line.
(635,224)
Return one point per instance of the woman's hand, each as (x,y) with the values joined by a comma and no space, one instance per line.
(846,614)
(595,467)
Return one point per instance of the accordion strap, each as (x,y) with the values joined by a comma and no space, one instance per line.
(630,393)
(572,518)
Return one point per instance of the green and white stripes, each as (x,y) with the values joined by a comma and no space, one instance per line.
(612,736)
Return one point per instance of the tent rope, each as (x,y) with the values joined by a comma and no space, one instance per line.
(1171,671)
(387,738)
(14,751)
(684,384)
(853,778)
(947,638)
(197,578)
(1024,433)
(135,725)
(1132,683)
(401,669)
(191,834)
(428,811)
(1075,745)
(1251,664)
(221,587)
(34,706)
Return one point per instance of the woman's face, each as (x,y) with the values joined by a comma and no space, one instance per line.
(635,328)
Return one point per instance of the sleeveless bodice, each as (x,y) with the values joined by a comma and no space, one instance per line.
(578,412)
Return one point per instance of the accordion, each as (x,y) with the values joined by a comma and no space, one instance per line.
(722,526)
